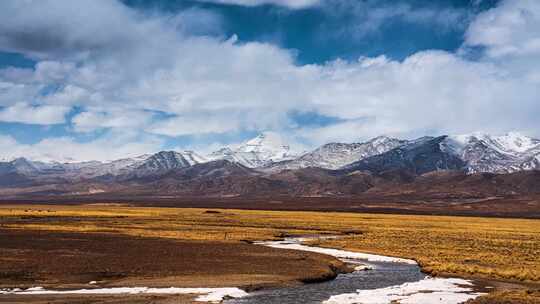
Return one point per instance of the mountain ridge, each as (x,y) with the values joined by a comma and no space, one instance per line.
(266,165)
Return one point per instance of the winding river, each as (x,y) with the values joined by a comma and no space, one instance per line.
(386,279)
(376,280)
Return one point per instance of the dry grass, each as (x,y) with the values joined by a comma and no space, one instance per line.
(506,249)
(529,296)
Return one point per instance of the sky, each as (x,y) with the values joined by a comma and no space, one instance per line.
(106,79)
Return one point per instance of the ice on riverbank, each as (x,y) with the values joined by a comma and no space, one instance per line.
(213,295)
(340,254)
(363,268)
(426,291)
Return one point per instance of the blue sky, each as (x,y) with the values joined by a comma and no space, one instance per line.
(104,79)
(321,34)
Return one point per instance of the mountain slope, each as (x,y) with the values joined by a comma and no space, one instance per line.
(10,177)
(225,178)
(458,184)
(417,157)
(336,155)
(165,161)
(496,154)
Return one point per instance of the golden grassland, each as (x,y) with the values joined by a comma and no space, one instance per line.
(494,248)
(522,296)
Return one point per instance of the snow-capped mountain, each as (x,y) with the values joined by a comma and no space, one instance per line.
(23,166)
(471,153)
(115,167)
(497,154)
(336,155)
(416,157)
(140,166)
(270,154)
(167,160)
(263,150)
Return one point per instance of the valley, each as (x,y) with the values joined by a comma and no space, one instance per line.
(502,253)
(462,207)
(270,152)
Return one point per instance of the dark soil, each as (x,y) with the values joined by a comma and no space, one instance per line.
(71,260)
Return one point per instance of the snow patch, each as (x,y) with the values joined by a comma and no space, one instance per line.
(340,254)
(213,295)
(427,291)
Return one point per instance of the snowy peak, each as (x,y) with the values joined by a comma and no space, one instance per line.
(24,166)
(336,155)
(472,153)
(519,142)
(268,146)
(168,160)
(510,143)
(416,157)
(192,157)
(380,145)
(264,149)
(497,154)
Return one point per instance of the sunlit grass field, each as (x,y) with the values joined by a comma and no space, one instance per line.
(494,248)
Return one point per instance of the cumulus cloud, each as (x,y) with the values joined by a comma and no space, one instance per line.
(25,113)
(46,29)
(148,77)
(510,29)
(94,119)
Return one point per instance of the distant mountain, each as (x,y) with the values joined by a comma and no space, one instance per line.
(25,167)
(215,177)
(460,185)
(166,161)
(471,153)
(497,154)
(229,179)
(265,166)
(10,177)
(263,150)
(158,163)
(416,157)
(337,155)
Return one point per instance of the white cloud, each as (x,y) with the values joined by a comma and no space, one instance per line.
(204,85)
(25,113)
(93,120)
(510,29)
(179,126)
(109,147)
(294,4)
(367,17)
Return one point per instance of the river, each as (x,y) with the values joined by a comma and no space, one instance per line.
(386,280)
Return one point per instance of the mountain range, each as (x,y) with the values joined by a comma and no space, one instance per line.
(266,165)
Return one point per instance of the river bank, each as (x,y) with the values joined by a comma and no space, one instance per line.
(375,278)
(62,261)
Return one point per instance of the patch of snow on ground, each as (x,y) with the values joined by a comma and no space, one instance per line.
(340,254)
(363,268)
(206,294)
(427,291)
